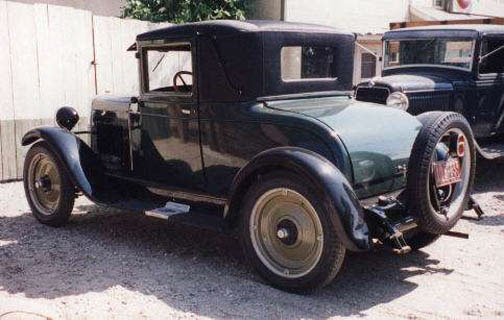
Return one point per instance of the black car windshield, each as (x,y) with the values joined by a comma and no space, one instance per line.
(455,53)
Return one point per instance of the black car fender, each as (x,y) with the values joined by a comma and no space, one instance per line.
(80,162)
(337,192)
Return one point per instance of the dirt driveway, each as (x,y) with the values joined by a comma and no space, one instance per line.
(111,264)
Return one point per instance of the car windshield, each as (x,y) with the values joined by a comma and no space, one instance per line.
(457,53)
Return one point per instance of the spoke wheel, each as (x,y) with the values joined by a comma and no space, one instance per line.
(448,199)
(286,233)
(444,143)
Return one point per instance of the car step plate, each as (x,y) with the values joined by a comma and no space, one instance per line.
(170,209)
(492,151)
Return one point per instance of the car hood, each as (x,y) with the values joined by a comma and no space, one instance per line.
(412,83)
(378,139)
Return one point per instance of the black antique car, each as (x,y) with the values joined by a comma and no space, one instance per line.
(251,128)
(450,68)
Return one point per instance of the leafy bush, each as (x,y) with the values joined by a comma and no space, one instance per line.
(180,11)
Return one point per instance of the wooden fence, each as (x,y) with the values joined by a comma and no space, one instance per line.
(52,56)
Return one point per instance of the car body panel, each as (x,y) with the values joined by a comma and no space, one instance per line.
(378,139)
(261,128)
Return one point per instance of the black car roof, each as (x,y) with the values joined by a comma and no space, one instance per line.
(241,60)
(453,29)
(232,27)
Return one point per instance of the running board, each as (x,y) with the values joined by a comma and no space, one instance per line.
(170,209)
(182,213)
(203,217)
(491,151)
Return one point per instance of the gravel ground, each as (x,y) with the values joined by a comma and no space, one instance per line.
(111,264)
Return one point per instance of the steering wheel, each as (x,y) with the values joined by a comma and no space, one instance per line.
(178,75)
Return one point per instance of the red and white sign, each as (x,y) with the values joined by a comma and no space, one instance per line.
(462,6)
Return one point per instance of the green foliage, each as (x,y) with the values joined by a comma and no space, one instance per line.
(180,11)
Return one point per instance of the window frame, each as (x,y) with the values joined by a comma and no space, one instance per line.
(492,75)
(144,74)
(469,69)
(301,80)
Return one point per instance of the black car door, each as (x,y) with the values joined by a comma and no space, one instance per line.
(490,92)
(168,150)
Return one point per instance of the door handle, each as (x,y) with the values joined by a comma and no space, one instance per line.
(186,111)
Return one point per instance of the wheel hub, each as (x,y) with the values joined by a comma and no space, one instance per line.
(287,232)
(44,183)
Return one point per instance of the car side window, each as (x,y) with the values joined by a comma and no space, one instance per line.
(493,62)
(308,62)
(168,69)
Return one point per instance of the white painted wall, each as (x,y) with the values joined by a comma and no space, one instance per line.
(98,7)
(423,3)
(361,16)
(46,62)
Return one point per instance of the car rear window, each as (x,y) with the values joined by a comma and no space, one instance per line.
(310,62)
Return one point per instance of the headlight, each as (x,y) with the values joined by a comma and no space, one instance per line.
(398,100)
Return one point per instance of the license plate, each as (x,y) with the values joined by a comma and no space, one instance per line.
(447,172)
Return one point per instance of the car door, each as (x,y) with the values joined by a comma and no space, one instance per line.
(490,92)
(168,151)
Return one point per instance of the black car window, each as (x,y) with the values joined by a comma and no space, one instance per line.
(308,63)
(455,53)
(494,62)
(168,69)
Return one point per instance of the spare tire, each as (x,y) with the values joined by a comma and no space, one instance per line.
(435,199)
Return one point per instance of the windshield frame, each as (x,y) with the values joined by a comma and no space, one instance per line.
(147,45)
(469,69)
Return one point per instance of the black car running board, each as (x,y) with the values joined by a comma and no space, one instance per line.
(188,215)
(491,150)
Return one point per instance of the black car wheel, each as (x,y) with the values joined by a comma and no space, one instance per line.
(287,234)
(48,189)
(446,138)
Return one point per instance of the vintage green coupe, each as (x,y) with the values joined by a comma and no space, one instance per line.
(250,126)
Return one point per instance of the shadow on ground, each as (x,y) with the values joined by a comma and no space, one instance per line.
(189,269)
(489,177)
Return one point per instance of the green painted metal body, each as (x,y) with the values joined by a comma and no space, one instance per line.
(378,140)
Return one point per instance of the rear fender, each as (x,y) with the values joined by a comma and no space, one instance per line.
(80,162)
(338,195)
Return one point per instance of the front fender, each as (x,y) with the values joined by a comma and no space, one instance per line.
(80,162)
(338,195)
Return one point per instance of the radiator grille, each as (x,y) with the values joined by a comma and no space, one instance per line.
(428,101)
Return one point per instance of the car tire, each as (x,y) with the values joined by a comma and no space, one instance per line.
(439,209)
(287,234)
(48,188)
